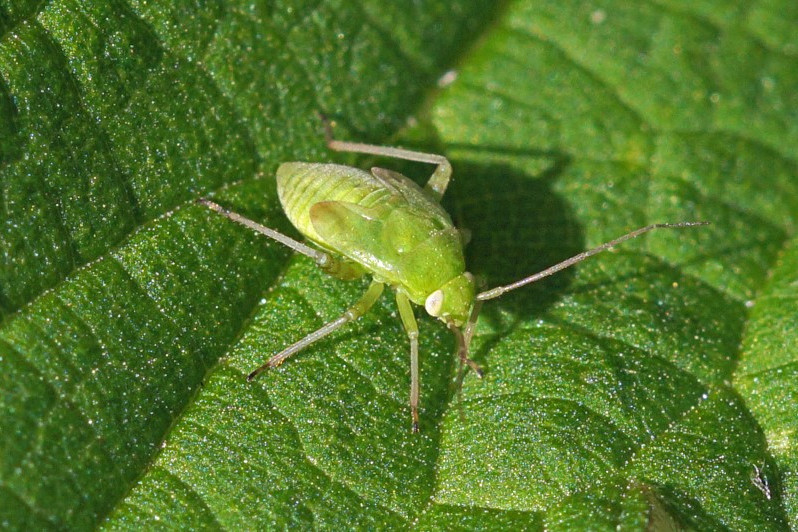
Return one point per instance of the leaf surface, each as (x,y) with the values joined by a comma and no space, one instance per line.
(652,386)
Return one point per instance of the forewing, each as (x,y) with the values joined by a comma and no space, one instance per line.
(380,237)
(356,232)
(414,197)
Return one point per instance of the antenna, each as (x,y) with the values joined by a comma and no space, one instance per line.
(567,263)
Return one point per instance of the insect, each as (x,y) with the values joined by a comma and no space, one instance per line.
(383,224)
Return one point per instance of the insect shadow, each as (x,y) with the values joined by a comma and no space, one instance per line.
(518,225)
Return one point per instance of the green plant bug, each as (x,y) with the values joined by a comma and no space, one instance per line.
(382,223)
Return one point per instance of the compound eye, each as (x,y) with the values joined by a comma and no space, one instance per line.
(434,303)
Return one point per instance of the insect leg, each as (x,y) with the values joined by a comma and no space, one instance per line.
(471,325)
(462,348)
(436,186)
(321,258)
(409,321)
(355,311)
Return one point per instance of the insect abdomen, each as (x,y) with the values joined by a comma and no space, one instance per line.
(302,185)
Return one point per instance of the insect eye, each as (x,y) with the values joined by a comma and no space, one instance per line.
(434,303)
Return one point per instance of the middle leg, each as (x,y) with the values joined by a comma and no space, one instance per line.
(355,311)
(411,327)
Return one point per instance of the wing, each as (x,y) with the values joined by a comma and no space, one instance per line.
(381,237)
(301,185)
(414,197)
(356,232)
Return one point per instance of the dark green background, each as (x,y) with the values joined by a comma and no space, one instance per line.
(653,385)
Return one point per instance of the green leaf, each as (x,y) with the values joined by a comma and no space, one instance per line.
(651,387)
